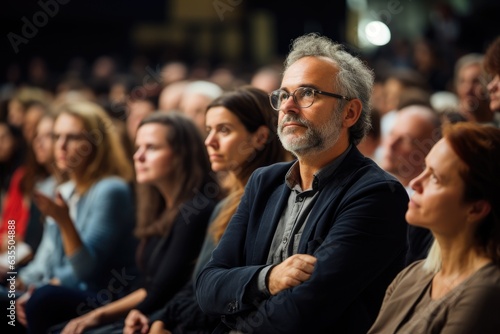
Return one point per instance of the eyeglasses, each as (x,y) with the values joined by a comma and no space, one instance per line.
(302,96)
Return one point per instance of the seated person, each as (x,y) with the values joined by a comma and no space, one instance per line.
(176,197)
(240,140)
(456,289)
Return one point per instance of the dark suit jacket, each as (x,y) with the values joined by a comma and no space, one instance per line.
(356,230)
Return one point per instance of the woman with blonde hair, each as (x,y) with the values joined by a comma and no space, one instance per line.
(89,242)
(457,288)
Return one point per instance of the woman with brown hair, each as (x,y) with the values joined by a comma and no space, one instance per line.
(457,288)
(176,196)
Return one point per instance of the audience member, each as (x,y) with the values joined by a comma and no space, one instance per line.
(492,66)
(471,90)
(88,237)
(22,99)
(267,78)
(196,97)
(288,253)
(138,109)
(170,97)
(457,287)
(38,173)
(174,205)
(13,206)
(416,129)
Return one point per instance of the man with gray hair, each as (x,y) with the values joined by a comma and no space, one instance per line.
(315,242)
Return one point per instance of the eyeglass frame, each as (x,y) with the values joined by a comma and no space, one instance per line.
(314,90)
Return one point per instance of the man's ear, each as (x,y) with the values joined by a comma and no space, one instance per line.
(260,137)
(351,113)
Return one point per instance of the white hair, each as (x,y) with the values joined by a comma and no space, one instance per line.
(205,88)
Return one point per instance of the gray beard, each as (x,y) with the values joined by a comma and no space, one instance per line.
(314,140)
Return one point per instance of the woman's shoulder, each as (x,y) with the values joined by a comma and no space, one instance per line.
(415,268)
(112,183)
(412,275)
(488,276)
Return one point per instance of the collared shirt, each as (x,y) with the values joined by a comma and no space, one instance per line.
(295,215)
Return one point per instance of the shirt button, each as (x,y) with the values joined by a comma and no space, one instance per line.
(285,240)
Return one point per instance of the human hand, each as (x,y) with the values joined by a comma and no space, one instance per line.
(82,323)
(55,281)
(157,328)
(293,271)
(136,322)
(56,209)
(21,306)
(20,286)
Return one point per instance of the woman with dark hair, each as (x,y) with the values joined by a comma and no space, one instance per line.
(241,138)
(176,196)
(457,288)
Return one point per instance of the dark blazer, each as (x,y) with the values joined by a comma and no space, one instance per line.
(356,230)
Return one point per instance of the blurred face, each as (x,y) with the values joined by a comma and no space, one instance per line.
(31,119)
(15,114)
(194,106)
(392,92)
(138,110)
(438,203)
(406,146)
(228,143)
(153,158)
(72,149)
(43,145)
(318,127)
(494,91)
(469,87)
(7,143)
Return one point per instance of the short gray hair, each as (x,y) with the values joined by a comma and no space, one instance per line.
(354,79)
(466,61)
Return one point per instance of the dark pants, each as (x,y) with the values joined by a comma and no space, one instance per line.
(51,305)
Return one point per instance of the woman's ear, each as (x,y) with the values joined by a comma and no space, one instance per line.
(260,137)
(479,210)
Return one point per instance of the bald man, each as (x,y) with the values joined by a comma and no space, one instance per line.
(416,129)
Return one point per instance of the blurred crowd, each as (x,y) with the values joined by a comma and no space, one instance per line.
(413,96)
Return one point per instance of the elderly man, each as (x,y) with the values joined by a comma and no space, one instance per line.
(314,242)
(416,129)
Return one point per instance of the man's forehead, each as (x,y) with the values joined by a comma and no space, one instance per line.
(311,70)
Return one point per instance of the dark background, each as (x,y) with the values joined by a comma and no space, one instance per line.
(92,28)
